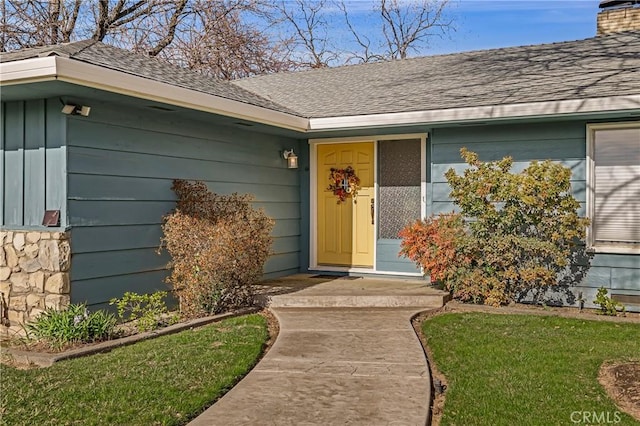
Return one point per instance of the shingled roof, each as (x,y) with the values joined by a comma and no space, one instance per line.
(591,68)
(104,55)
(596,67)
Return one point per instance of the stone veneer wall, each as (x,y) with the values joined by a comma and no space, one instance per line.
(34,275)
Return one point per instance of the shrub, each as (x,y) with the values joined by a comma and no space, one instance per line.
(75,324)
(433,244)
(608,306)
(218,246)
(149,311)
(521,231)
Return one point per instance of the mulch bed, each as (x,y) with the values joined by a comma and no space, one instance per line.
(622,383)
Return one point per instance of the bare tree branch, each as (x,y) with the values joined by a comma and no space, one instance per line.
(222,41)
(54,13)
(407,25)
(230,38)
(71,20)
(310,43)
(365,54)
(171,29)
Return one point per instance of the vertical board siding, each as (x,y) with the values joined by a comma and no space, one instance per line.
(33,162)
(120,172)
(3,111)
(14,164)
(56,160)
(304,158)
(564,142)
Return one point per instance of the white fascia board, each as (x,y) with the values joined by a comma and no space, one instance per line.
(28,71)
(528,110)
(75,72)
(97,77)
(72,71)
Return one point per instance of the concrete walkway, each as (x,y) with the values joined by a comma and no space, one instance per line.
(334,366)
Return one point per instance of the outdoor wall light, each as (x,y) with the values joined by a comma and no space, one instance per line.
(71,109)
(291,157)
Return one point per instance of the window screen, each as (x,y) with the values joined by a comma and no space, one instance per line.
(616,207)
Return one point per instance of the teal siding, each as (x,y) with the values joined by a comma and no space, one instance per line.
(305,204)
(564,142)
(387,258)
(120,170)
(33,162)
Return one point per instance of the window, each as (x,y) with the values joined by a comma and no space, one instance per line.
(613,181)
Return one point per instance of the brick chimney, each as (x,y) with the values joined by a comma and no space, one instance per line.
(618,15)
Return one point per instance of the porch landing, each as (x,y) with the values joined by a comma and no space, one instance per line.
(321,291)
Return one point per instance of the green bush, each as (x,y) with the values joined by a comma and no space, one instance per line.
(521,232)
(608,306)
(218,246)
(75,324)
(149,311)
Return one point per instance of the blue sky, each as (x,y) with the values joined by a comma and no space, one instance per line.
(479,24)
(483,24)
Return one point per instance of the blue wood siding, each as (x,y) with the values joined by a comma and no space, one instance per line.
(305,205)
(562,141)
(387,258)
(121,166)
(33,163)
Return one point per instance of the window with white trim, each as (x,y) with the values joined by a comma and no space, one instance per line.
(614,186)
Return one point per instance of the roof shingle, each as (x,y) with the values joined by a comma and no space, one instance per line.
(594,67)
(98,53)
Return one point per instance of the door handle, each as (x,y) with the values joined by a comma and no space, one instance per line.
(373,210)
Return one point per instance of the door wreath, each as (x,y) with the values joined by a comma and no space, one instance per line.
(344,183)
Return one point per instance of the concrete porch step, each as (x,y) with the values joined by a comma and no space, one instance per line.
(363,301)
(313,291)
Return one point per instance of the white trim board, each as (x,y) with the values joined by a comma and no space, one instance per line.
(87,75)
(49,68)
(492,112)
(363,271)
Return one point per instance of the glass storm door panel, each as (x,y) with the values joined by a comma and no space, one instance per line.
(345,230)
(399,185)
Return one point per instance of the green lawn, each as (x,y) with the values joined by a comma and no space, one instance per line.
(526,370)
(167,380)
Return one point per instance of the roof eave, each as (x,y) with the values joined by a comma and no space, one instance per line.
(572,107)
(94,76)
(97,77)
(28,71)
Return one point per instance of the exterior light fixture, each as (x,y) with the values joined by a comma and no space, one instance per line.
(291,157)
(70,109)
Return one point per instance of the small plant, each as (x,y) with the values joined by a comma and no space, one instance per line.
(75,324)
(147,310)
(608,306)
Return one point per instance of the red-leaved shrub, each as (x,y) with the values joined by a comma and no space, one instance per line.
(433,244)
(521,234)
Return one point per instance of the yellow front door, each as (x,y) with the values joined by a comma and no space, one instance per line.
(346,230)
